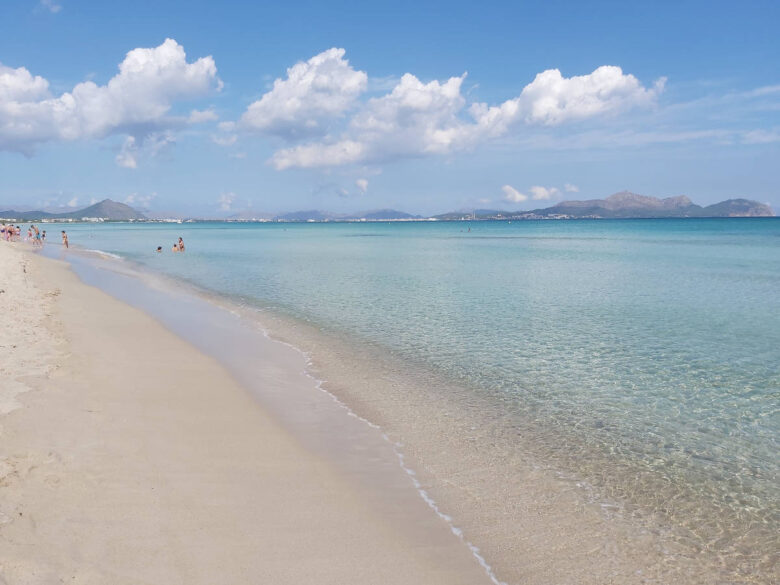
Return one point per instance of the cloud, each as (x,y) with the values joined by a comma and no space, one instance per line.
(51,6)
(762,91)
(200,116)
(320,155)
(362,185)
(228,136)
(538,192)
(140,201)
(420,119)
(552,99)
(157,142)
(73,202)
(761,136)
(225,201)
(512,194)
(569,188)
(314,93)
(151,144)
(134,102)
(225,140)
(412,120)
(127,157)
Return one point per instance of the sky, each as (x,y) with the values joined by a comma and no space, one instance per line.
(209,109)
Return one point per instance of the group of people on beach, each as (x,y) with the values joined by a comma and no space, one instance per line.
(177,247)
(35,236)
(13,233)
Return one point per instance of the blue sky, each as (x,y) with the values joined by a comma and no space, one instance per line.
(220,107)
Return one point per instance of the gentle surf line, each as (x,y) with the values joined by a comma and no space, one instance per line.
(138,274)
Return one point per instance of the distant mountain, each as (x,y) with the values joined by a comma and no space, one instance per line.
(248,214)
(474,213)
(630,205)
(25,215)
(310,214)
(625,205)
(381,214)
(106,209)
(738,208)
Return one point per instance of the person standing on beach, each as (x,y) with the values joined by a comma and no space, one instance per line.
(65,239)
(181,245)
(43,237)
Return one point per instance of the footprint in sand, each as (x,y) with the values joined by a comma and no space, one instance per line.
(8,472)
(51,480)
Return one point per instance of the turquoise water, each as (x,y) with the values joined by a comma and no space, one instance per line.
(649,350)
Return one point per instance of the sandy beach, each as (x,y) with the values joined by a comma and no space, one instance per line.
(128,456)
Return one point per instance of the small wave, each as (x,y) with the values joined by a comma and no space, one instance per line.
(103,254)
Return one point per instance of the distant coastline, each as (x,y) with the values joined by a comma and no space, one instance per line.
(623,205)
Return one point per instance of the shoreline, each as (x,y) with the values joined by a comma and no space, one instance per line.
(533,527)
(133,457)
(507,504)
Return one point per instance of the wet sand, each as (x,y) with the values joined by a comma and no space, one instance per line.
(128,456)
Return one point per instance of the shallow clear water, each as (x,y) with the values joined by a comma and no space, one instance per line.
(647,352)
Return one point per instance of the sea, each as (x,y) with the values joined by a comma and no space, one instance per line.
(638,358)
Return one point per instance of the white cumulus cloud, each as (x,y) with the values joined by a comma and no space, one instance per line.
(569,188)
(553,99)
(134,102)
(513,195)
(362,185)
(419,119)
(538,192)
(412,120)
(313,93)
(320,155)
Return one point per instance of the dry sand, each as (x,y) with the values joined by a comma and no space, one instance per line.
(127,456)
